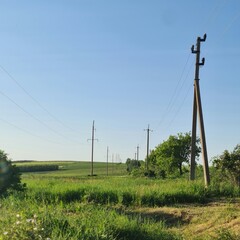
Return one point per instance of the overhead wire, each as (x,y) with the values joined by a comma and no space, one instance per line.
(28,132)
(180,107)
(228,26)
(34,117)
(34,99)
(184,98)
(175,93)
(212,16)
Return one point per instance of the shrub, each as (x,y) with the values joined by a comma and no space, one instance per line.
(9,175)
(228,165)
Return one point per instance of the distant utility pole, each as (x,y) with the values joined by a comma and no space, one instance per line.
(197,109)
(112,162)
(148,130)
(107,159)
(92,139)
(137,152)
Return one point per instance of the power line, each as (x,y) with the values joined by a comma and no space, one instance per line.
(34,99)
(27,132)
(180,107)
(213,15)
(184,99)
(173,97)
(235,17)
(32,116)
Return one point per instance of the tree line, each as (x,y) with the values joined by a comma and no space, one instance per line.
(172,157)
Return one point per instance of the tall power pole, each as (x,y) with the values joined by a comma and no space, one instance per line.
(112,162)
(107,159)
(137,152)
(92,139)
(148,130)
(197,109)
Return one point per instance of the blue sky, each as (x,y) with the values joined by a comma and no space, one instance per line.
(124,64)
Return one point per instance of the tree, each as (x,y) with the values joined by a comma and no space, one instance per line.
(170,155)
(9,175)
(132,164)
(228,164)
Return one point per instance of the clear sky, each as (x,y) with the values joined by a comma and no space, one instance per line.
(124,64)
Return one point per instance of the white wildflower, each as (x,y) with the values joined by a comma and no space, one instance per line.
(35,215)
(18,216)
(35,229)
(5,233)
(18,222)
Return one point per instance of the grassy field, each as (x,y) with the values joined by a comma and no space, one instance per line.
(78,169)
(67,204)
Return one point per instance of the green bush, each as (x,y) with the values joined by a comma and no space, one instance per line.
(9,175)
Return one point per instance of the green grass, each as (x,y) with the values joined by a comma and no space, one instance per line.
(25,219)
(68,204)
(123,190)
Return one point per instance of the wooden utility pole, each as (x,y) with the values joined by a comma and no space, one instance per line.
(112,162)
(148,130)
(92,139)
(197,109)
(137,152)
(107,159)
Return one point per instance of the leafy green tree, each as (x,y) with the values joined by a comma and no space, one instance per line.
(169,156)
(9,175)
(228,164)
(132,164)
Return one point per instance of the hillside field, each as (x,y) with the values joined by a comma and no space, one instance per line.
(78,169)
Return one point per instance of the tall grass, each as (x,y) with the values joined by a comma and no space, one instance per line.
(26,219)
(83,208)
(124,190)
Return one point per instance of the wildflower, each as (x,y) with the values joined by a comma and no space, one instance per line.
(48,238)
(35,229)
(18,216)
(5,233)
(35,215)
(42,229)
(29,220)
(18,222)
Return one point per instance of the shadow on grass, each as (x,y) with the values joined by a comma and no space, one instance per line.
(167,219)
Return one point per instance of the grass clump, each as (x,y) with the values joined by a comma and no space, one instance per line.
(102,197)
